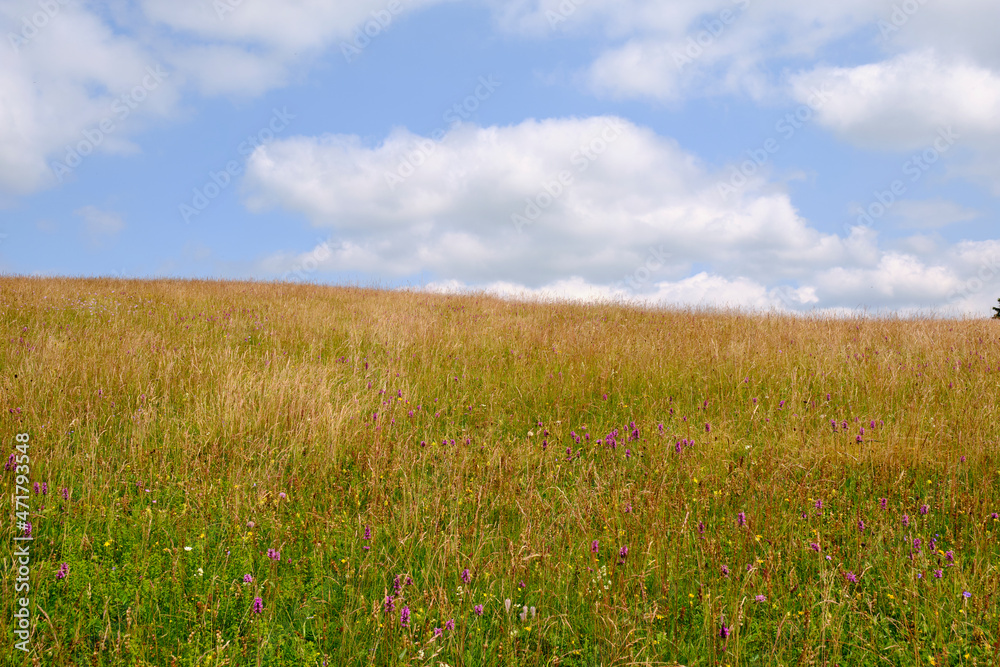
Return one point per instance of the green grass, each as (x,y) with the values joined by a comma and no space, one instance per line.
(176,412)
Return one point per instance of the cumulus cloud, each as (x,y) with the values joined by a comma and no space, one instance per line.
(578,208)
(903,102)
(67,68)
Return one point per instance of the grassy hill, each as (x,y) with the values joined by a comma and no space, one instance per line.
(275,474)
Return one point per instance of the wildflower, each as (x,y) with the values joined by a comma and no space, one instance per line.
(741,519)
(258,605)
(247,578)
(450,625)
(861,525)
(368,536)
(708,427)
(851,577)
(819,504)
(27,528)
(924,509)
(63,571)
(466,577)
(761,598)
(916,544)
(389,604)
(725,571)
(250,525)
(282,495)
(11,462)
(949,556)
(274,554)
(938,574)
(701,527)
(882,502)
(905,520)
(524,613)
(478,610)
(622,555)
(506,605)
(404,617)
(37,488)
(724,631)
(814,547)
(966,594)
(594,546)
(438,632)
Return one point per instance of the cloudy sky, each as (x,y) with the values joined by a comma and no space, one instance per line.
(755,153)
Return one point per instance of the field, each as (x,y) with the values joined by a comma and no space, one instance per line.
(275,474)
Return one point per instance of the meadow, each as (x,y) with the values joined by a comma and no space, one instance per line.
(278,474)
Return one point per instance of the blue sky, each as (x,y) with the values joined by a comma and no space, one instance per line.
(752,153)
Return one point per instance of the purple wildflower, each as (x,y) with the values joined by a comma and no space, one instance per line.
(389,604)
(708,427)
(63,571)
(438,632)
(258,605)
(851,577)
(404,617)
(11,462)
(924,509)
(761,598)
(725,571)
(861,525)
(368,536)
(938,574)
(274,554)
(450,625)
(27,528)
(594,546)
(882,502)
(478,610)
(701,527)
(905,520)
(949,556)
(247,578)
(622,555)
(724,631)
(466,577)
(819,504)
(741,519)
(814,547)
(966,594)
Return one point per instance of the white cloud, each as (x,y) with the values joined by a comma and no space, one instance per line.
(642,220)
(63,71)
(642,191)
(902,103)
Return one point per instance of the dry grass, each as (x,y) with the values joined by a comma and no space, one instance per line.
(217,397)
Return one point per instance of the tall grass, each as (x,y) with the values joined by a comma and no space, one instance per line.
(644,487)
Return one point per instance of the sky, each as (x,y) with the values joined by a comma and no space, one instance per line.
(837,158)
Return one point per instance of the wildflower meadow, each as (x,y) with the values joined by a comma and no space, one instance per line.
(274,474)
